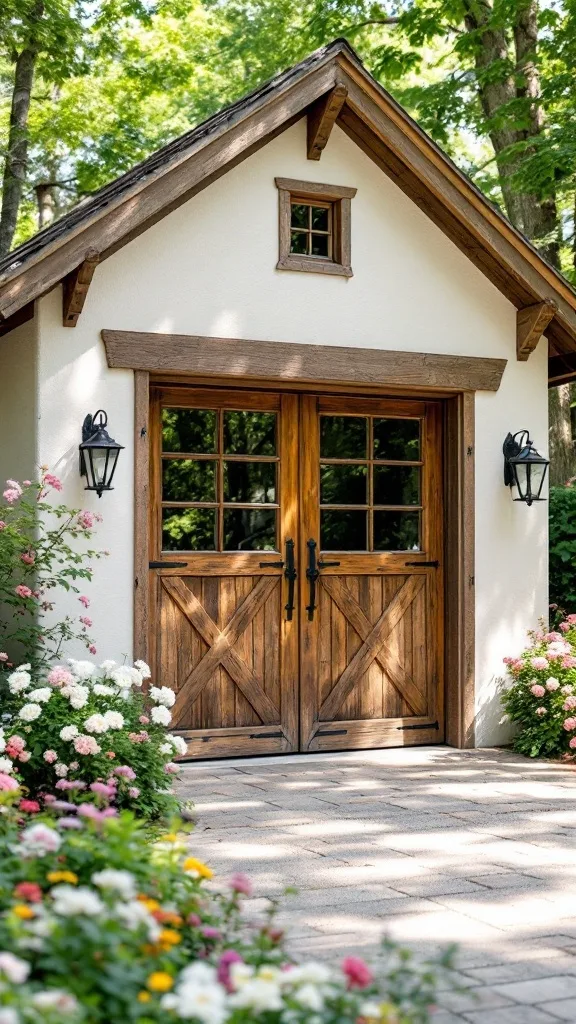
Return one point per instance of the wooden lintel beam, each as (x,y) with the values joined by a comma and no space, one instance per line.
(531,322)
(322,118)
(561,369)
(75,288)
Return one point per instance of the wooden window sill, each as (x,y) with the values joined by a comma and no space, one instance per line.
(314,266)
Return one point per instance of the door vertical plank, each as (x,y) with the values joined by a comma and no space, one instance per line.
(289,530)
(141,507)
(309,529)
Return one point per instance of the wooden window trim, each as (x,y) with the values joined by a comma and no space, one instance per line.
(339,197)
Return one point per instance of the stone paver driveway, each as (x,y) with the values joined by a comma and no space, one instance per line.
(427,845)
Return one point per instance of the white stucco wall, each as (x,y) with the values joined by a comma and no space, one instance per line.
(208,269)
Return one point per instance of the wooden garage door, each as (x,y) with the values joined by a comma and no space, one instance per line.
(295,580)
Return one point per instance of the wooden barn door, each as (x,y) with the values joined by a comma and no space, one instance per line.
(371,542)
(223,521)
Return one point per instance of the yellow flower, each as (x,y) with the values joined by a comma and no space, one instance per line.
(197,867)
(160,981)
(62,876)
(143,997)
(150,904)
(170,837)
(168,937)
(23,911)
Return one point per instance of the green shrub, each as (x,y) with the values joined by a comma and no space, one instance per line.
(563,546)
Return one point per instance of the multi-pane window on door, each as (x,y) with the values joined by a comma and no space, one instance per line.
(220,482)
(370,483)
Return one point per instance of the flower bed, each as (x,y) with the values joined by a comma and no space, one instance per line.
(99,925)
(87,729)
(542,697)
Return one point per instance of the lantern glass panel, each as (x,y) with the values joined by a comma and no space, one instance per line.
(538,472)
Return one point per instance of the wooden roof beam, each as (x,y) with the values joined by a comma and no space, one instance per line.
(531,322)
(75,288)
(322,118)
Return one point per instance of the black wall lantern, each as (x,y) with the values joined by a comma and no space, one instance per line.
(98,453)
(524,467)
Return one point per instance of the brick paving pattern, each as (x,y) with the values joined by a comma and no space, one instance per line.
(428,846)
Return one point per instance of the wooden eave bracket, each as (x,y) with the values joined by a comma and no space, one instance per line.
(322,118)
(75,288)
(531,322)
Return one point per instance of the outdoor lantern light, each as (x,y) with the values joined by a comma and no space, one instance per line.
(524,467)
(98,453)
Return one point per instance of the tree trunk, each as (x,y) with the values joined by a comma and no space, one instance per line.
(45,203)
(17,155)
(562,460)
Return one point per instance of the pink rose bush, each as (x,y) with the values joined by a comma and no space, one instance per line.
(542,697)
(154,940)
(79,725)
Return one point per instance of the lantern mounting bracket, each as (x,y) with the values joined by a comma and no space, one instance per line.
(511,449)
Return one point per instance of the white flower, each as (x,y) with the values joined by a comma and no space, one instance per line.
(568,688)
(114,720)
(8,1015)
(258,995)
(179,744)
(125,677)
(77,695)
(160,715)
(68,732)
(30,712)
(70,900)
(143,669)
(198,995)
(101,690)
(96,723)
(41,695)
(311,997)
(370,1011)
(122,882)
(6,765)
(82,669)
(18,681)
(311,973)
(134,915)
(240,973)
(162,695)
(15,969)
(61,769)
(552,683)
(2,741)
(38,840)
(55,999)
(166,748)
(107,666)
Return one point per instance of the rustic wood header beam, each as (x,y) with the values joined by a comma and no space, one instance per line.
(322,118)
(75,288)
(531,322)
(239,360)
(561,369)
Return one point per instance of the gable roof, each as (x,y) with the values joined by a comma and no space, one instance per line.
(126,207)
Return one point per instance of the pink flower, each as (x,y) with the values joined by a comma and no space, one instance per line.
(7,783)
(24,756)
(102,789)
(28,557)
(84,600)
(572,743)
(517,666)
(357,971)
(73,765)
(211,933)
(241,883)
(134,792)
(193,920)
(569,704)
(52,481)
(86,745)
(110,754)
(50,756)
(568,661)
(538,690)
(26,483)
(17,743)
(144,720)
(541,711)
(540,664)
(30,891)
(564,626)
(125,772)
(85,620)
(12,492)
(2,524)
(86,520)
(22,591)
(569,724)
(138,737)
(60,676)
(70,784)
(171,769)
(229,957)
(92,649)
(569,618)
(552,684)
(551,637)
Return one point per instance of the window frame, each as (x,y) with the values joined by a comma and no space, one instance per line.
(339,198)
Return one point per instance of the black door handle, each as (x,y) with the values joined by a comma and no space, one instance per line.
(165,565)
(290,574)
(312,574)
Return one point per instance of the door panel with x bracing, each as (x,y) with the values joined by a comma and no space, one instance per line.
(371,515)
(224,486)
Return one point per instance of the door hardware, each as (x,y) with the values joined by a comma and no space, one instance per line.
(266,735)
(290,574)
(431,725)
(312,574)
(433,565)
(332,732)
(165,565)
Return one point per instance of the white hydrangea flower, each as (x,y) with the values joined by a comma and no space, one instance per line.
(160,715)
(162,695)
(61,769)
(30,712)
(70,900)
(108,666)
(122,882)
(125,677)
(55,999)
(179,744)
(143,669)
(114,720)
(68,732)
(77,695)
(41,695)
(82,669)
(6,765)
(166,748)
(15,969)
(96,723)
(101,690)
(2,740)
(8,1015)
(37,841)
(18,681)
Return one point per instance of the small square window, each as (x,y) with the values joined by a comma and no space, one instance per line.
(314,227)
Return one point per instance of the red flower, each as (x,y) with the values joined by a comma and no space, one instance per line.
(29,806)
(357,971)
(29,891)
